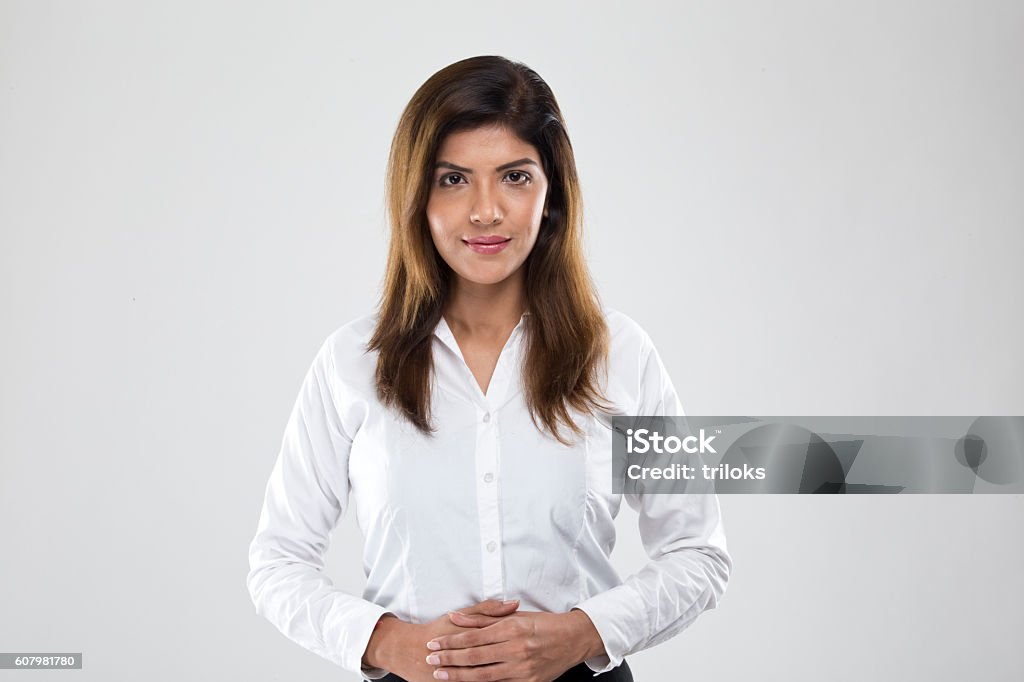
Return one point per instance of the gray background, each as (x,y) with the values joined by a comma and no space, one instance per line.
(813,208)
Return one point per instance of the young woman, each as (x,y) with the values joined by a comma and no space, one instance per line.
(469,424)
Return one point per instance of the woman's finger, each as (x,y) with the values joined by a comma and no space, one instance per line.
(462,658)
(493,607)
(465,620)
(483,673)
(491,634)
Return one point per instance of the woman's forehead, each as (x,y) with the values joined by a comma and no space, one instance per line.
(485,144)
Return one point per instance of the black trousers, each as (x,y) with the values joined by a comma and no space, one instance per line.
(580,673)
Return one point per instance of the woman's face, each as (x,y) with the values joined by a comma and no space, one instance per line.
(486,202)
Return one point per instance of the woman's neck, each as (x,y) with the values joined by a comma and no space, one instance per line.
(485,309)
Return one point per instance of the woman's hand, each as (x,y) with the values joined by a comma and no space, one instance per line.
(400,647)
(527,645)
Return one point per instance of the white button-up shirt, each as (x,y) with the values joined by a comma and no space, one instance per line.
(489,507)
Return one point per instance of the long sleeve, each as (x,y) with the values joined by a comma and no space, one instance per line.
(305,496)
(684,538)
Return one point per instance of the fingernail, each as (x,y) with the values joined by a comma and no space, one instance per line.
(434,659)
(433,646)
(509,601)
(440,675)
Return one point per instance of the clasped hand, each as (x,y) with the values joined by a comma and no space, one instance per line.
(512,645)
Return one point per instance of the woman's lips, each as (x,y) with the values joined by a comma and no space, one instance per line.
(487,246)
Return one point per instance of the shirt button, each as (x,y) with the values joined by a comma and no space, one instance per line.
(491,546)
(488,477)
(487,417)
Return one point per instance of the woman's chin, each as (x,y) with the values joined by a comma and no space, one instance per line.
(485,277)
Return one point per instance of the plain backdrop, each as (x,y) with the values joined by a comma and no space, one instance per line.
(813,208)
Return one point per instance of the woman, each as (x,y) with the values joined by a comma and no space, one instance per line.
(469,422)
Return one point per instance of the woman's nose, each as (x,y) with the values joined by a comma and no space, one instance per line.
(485,210)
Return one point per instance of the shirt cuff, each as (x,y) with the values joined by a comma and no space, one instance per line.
(611,658)
(599,664)
(361,629)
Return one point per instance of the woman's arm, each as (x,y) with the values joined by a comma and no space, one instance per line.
(684,537)
(305,496)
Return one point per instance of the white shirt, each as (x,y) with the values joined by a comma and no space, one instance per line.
(487,508)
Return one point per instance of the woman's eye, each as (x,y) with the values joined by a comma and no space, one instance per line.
(518,177)
(451,179)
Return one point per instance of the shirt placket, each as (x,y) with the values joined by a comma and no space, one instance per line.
(488,468)
(487,460)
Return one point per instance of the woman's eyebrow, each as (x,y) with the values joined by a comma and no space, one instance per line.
(504,166)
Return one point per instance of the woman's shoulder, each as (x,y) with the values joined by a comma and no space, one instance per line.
(353,335)
(626,337)
(346,350)
(629,349)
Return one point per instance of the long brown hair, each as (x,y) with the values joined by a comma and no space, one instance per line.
(565,333)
